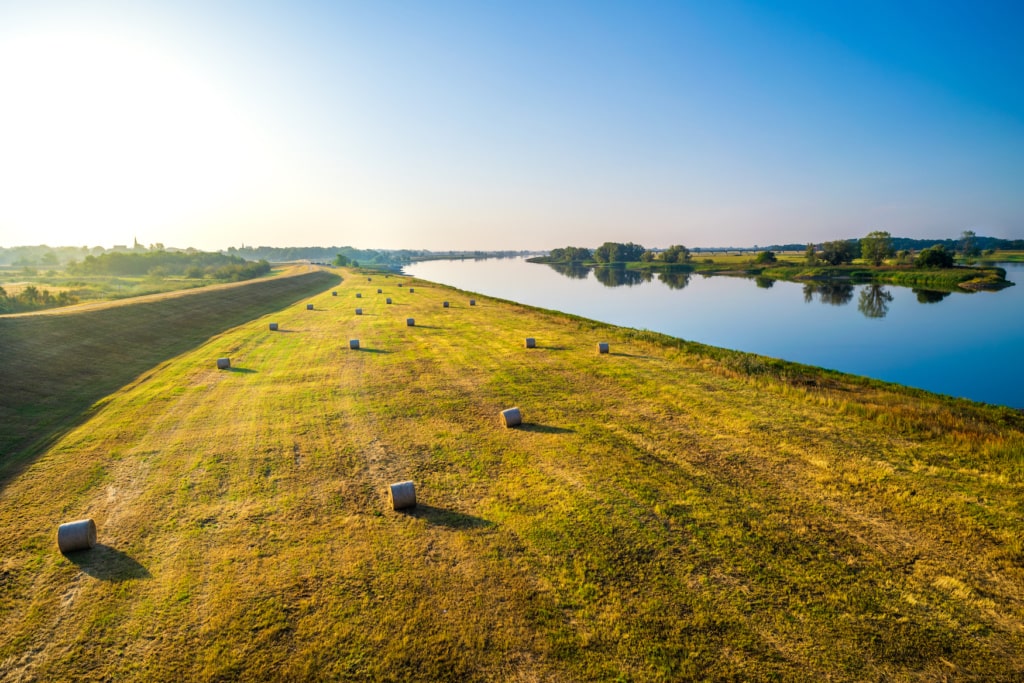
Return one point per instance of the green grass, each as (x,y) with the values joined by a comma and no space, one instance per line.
(669,511)
(57,365)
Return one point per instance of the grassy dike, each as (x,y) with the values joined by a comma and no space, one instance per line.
(669,511)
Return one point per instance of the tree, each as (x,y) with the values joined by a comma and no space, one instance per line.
(676,253)
(968,247)
(934,257)
(811,256)
(616,252)
(837,252)
(765,257)
(876,247)
(341,260)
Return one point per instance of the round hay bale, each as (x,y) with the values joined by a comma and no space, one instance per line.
(380,291)
(602,347)
(445,304)
(410,322)
(359,311)
(472,302)
(402,495)
(273,326)
(369,279)
(309,307)
(223,363)
(511,417)
(359,295)
(411,290)
(531,343)
(77,535)
(334,294)
(388,300)
(353,344)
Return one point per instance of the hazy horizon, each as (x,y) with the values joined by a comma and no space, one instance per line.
(465,126)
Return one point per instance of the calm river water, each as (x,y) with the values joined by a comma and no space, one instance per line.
(968,345)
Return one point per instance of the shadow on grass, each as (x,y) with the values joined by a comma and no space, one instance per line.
(544,429)
(244,371)
(429,327)
(627,355)
(448,518)
(280,331)
(108,564)
(365,349)
(554,348)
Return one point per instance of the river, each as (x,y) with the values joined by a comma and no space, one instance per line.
(969,345)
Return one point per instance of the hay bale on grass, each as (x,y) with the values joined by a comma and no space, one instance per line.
(410,322)
(512,417)
(309,307)
(402,495)
(411,290)
(334,294)
(531,343)
(353,344)
(602,347)
(77,535)
(445,304)
(388,300)
(359,311)
(472,302)
(223,363)
(273,327)
(380,291)
(359,295)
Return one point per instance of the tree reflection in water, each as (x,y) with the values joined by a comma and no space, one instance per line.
(832,293)
(612,276)
(874,301)
(930,296)
(676,280)
(576,271)
(764,282)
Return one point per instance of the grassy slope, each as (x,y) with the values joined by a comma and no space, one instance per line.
(668,511)
(56,364)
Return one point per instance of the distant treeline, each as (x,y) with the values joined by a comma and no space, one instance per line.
(190,264)
(31,298)
(909,244)
(383,258)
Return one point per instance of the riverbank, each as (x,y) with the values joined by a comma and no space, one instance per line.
(667,510)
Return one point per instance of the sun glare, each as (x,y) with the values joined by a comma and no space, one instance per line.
(101,137)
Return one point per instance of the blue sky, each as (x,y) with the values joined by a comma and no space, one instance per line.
(508,125)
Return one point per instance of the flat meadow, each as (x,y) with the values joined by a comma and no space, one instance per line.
(666,511)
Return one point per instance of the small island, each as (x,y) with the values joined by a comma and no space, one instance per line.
(871,259)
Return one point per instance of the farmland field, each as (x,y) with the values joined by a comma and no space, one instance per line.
(667,511)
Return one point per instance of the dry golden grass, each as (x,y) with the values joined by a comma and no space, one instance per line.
(667,512)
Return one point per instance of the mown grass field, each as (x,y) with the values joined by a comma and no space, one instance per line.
(668,511)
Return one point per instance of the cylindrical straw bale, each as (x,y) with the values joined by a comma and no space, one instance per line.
(602,347)
(402,495)
(388,300)
(472,302)
(411,290)
(334,294)
(77,535)
(380,291)
(309,307)
(359,295)
(223,363)
(410,322)
(369,279)
(512,417)
(359,311)
(273,326)
(353,344)
(446,304)
(531,342)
